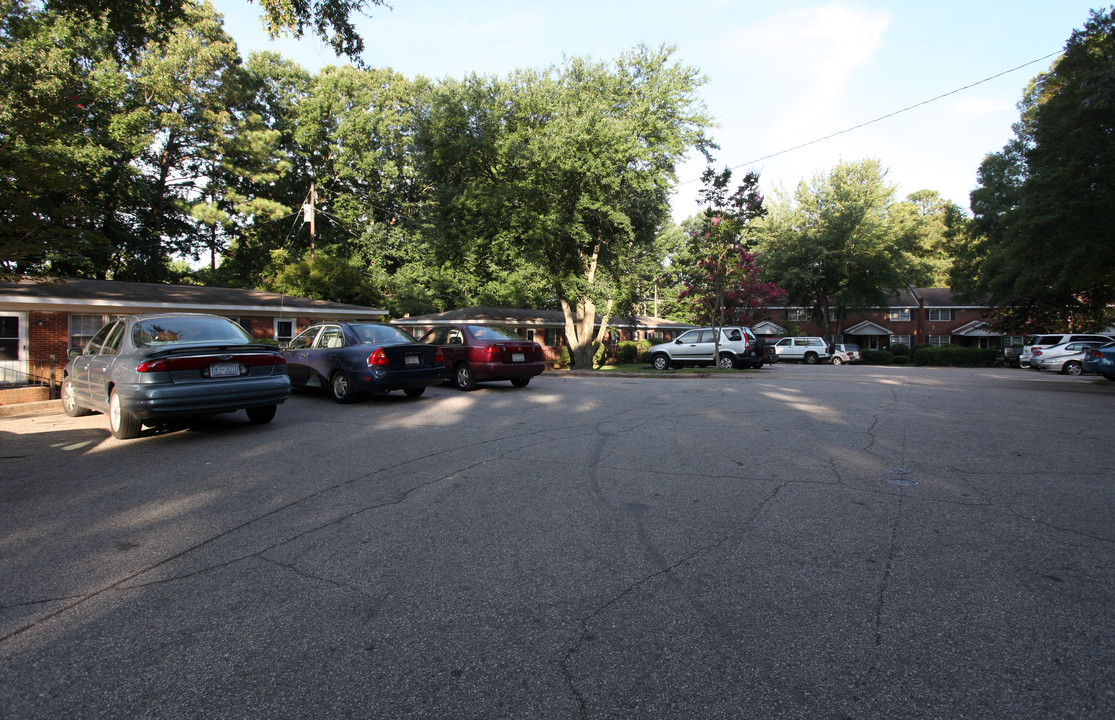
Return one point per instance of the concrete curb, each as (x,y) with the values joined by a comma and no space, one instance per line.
(38,407)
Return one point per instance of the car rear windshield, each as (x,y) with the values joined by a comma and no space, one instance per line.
(484,332)
(1044,339)
(155,332)
(380,334)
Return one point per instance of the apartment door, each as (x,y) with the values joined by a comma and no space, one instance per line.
(13,348)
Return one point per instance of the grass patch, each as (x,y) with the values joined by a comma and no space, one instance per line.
(646,369)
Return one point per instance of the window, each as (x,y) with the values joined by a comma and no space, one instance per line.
(940,315)
(900,340)
(899,315)
(111,345)
(305,340)
(939,340)
(530,334)
(797,315)
(331,337)
(553,337)
(83,327)
(284,331)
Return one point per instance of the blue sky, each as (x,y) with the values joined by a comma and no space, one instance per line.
(780,74)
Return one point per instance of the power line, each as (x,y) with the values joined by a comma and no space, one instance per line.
(888,115)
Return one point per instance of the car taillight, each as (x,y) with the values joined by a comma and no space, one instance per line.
(152,366)
(378,358)
(1037,352)
(438,357)
(493,349)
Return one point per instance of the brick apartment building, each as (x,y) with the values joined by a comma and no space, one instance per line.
(40,321)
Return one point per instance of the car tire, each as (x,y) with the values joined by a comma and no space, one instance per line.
(464,378)
(810,358)
(262,415)
(122,424)
(414,392)
(520,382)
(1072,367)
(340,385)
(69,400)
(837,361)
(661,362)
(727,361)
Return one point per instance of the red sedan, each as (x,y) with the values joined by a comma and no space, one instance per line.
(477,353)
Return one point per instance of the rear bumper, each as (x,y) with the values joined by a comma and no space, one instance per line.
(506,371)
(376,380)
(168,400)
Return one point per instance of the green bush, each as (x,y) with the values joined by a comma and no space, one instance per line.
(955,356)
(564,358)
(877,357)
(644,348)
(901,359)
(628,351)
(900,350)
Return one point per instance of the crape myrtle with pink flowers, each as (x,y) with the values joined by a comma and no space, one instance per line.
(723,286)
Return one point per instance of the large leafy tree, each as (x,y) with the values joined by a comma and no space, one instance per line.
(135,23)
(831,246)
(58,83)
(1040,248)
(566,168)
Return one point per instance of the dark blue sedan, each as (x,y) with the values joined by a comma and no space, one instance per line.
(1101,360)
(354,359)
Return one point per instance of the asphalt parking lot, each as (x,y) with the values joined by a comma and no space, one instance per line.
(800,542)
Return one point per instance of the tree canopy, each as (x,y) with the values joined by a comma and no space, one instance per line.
(569,168)
(841,243)
(1040,247)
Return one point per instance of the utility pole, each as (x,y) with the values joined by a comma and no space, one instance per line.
(308,216)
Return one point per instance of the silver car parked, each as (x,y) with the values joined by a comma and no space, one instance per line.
(143,369)
(739,347)
(1067,358)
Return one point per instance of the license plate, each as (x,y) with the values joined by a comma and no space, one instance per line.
(224,369)
(518,357)
(413,360)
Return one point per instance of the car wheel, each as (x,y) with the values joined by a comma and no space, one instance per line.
(69,402)
(837,361)
(661,362)
(520,382)
(341,386)
(727,361)
(463,377)
(123,424)
(262,415)
(1072,367)
(414,392)
(810,358)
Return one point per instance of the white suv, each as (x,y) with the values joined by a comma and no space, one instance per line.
(1035,342)
(809,350)
(738,348)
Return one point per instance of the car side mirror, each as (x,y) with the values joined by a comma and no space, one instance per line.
(677,342)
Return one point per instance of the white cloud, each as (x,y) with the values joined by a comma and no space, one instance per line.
(808,57)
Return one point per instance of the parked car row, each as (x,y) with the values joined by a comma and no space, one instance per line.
(148,369)
(738,347)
